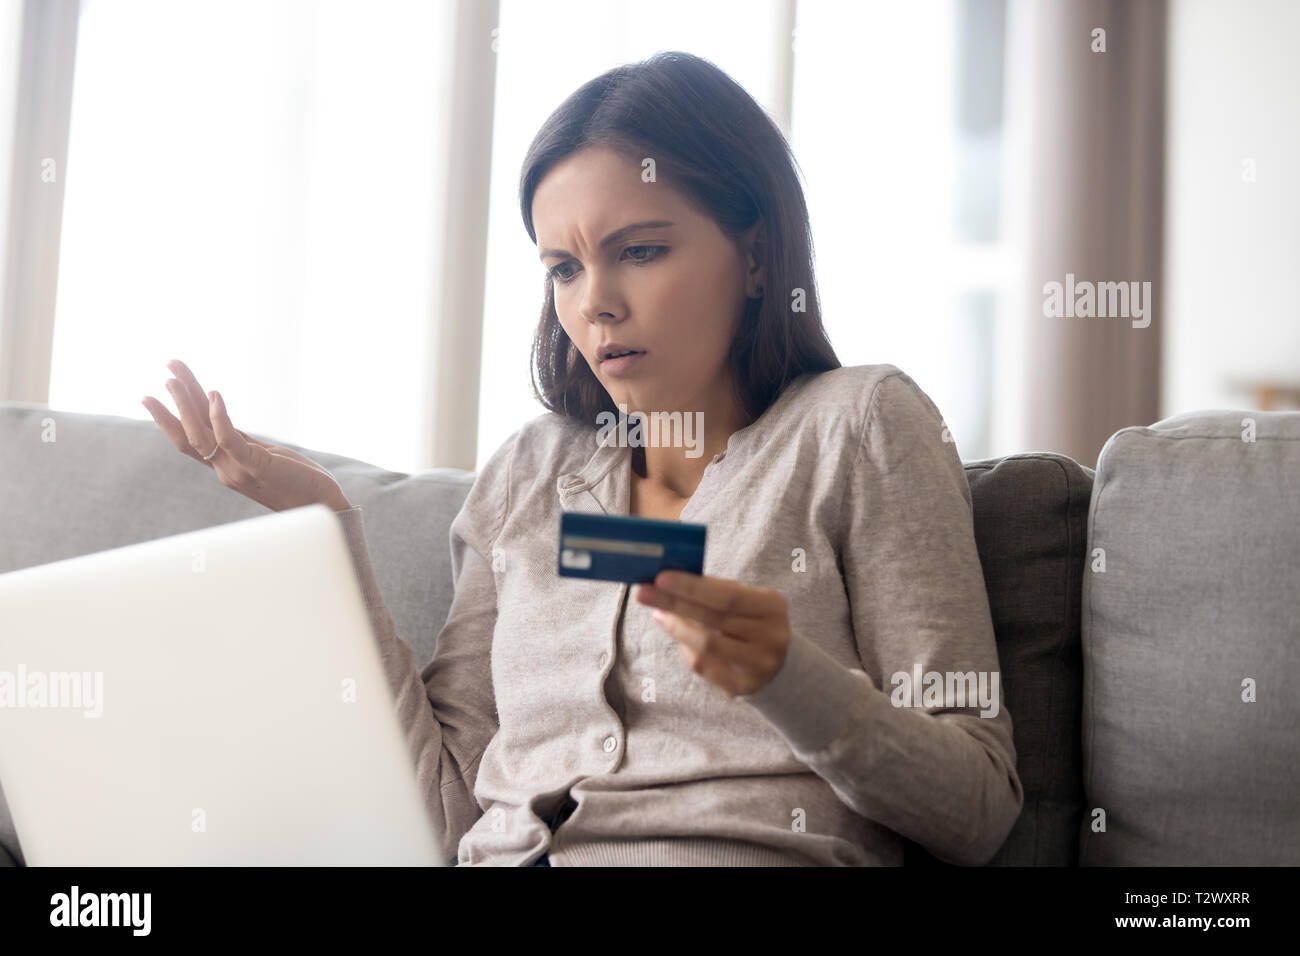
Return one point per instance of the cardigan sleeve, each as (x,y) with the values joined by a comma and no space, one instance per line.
(940,774)
(448,711)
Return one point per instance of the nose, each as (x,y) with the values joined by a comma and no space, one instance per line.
(599,301)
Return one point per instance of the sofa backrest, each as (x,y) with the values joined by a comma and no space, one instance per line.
(1191,640)
(1030,513)
(74,483)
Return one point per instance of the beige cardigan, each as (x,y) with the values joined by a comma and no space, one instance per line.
(560,699)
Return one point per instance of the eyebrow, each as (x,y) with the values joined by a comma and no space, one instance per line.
(614,236)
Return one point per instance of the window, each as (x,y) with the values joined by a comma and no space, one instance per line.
(252,188)
(897,127)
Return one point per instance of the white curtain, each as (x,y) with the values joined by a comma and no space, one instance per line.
(37,50)
(257,188)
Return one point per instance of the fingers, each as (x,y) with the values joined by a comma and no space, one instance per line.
(206,434)
(193,433)
(718,658)
(197,431)
(709,640)
(720,594)
(250,459)
(193,404)
(192,387)
(194,416)
(170,426)
(745,612)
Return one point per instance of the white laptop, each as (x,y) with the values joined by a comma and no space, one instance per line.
(211,698)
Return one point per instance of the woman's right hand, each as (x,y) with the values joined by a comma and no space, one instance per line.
(269,474)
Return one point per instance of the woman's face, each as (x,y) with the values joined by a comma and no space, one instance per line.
(672,287)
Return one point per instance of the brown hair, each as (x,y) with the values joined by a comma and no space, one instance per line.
(712,141)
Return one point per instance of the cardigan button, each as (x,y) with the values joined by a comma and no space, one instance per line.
(610,744)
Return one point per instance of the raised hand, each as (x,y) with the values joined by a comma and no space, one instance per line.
(271,475)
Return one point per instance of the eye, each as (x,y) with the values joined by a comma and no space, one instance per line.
(554,273)
(657,250)
(657,253)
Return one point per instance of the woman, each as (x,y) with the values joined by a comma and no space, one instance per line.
(761,713)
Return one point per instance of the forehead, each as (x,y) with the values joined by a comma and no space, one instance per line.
(597,190)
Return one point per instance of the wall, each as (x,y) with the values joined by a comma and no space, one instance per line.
(1232,247)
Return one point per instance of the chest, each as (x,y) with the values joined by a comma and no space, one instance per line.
(591,645)
(646,503)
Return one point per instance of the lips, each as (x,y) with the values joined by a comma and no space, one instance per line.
(615,351)
(619,366)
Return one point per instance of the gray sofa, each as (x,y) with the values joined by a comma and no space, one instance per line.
(1147,616)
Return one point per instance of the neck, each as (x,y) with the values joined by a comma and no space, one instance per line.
(676,469)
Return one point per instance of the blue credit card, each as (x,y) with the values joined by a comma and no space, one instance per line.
(627,548)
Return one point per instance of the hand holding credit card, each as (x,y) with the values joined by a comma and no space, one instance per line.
(627,548)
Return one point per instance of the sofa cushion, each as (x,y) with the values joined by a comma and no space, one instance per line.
(1030,514)
(1197,518)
